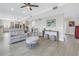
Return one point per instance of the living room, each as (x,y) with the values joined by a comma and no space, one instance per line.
(51,27)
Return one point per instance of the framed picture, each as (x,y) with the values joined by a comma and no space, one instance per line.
(51,23)
(71,23)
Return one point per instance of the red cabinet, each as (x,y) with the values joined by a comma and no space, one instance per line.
(77,32)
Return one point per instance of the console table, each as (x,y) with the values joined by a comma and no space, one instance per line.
(52,33)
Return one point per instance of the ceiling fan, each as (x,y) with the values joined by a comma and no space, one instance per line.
(29,5)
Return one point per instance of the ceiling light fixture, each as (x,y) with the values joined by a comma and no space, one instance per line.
(12,9)
(29,6)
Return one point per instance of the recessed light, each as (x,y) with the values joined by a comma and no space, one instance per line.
(12,9)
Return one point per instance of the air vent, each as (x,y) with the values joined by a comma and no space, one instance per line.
(54,8)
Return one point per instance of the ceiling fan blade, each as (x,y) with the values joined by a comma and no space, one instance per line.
(30,8)
(22,6)
(28,3)
(34,5)
(25,3)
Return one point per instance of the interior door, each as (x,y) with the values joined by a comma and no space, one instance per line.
(77,32)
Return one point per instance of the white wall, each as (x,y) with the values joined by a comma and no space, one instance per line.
(6,22)
(59,25)
(68,11)
(71,30)
(77,22)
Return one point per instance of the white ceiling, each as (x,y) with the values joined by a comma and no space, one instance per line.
(14,11)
